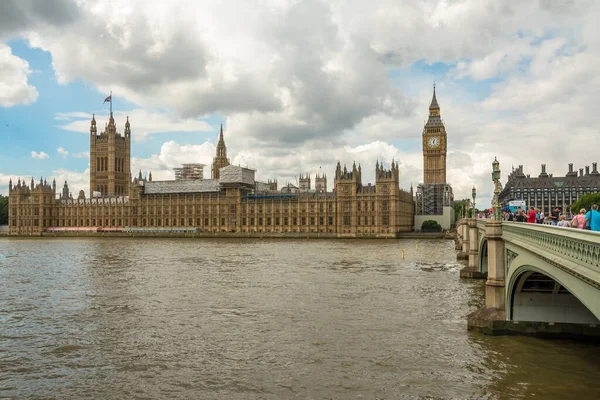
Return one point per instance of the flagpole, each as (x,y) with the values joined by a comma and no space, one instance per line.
(111,103)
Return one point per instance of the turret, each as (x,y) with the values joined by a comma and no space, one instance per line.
(65,191)
(93,130)
(127,127)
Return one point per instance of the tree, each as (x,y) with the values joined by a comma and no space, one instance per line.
(3,210)
(460,209)
(430,226)
(586,202)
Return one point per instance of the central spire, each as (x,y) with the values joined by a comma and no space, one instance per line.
(220,159)
(221,148)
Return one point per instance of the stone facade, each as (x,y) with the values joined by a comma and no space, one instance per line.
(230,203)
(547,191)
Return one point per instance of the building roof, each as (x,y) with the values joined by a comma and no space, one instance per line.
(233,174)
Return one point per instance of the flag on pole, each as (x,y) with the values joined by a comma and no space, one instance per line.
(109,99)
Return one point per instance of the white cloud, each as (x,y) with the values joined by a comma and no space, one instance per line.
(40,156)
(14,87)
(64,153)
(76,181)
(143,123)
(83,154)
(304,84)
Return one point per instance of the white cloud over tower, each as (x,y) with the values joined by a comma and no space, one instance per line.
(304,84)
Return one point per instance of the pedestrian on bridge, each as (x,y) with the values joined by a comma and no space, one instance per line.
(532,216)
(578,221)
(592,218)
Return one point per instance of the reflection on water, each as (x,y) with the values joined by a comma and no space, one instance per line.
(261,319)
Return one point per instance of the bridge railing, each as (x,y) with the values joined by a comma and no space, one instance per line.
(576,249)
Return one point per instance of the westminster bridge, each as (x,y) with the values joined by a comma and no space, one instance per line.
(541,279)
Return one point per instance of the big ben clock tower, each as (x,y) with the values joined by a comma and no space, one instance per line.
(434,195)
(434,146)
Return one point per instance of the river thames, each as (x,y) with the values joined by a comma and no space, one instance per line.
(111,318)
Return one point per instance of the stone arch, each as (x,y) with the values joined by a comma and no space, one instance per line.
(539,291)
(483,256)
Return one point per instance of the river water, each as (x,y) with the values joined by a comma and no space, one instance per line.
(261,319)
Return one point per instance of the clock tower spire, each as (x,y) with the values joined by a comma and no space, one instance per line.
(434,145)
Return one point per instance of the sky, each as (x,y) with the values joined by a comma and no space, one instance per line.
(300,85)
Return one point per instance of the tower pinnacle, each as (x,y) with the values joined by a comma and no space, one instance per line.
(220,159)
(434,103)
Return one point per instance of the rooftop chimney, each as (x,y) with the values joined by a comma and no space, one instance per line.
(580,171)
(594,168)
(543,168)
(587,169)
(570,167)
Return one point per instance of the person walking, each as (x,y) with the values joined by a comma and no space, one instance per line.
(532,216)
(578,220)
(555,215)
(592,218)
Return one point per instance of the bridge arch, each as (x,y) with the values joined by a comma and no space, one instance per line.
(538,291)
(483,256)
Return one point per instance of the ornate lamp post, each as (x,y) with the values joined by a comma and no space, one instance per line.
(474,195)
(496,180)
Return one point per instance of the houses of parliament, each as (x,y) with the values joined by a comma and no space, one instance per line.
(230,202)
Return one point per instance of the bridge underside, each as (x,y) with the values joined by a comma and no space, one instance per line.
(538,297)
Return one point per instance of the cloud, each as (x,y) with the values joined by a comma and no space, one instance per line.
(143,123)
(83,154)
(62,152)
(40,156)
(76,180)
(14,88)
(20,15)
(305,84)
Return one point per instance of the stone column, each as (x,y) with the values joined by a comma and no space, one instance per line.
(473,243)
(465,235)
(494,290)
(462,232)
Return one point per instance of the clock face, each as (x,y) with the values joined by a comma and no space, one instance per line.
(433,142)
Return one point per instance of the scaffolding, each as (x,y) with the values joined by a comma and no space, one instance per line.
(432,198)
(189,171)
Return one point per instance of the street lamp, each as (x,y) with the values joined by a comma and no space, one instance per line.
(474,195)
(496,180)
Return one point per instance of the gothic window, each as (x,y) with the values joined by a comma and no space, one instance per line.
(346,220)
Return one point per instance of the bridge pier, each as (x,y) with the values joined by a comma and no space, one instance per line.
(463,240)
(494,286)
(472,270)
